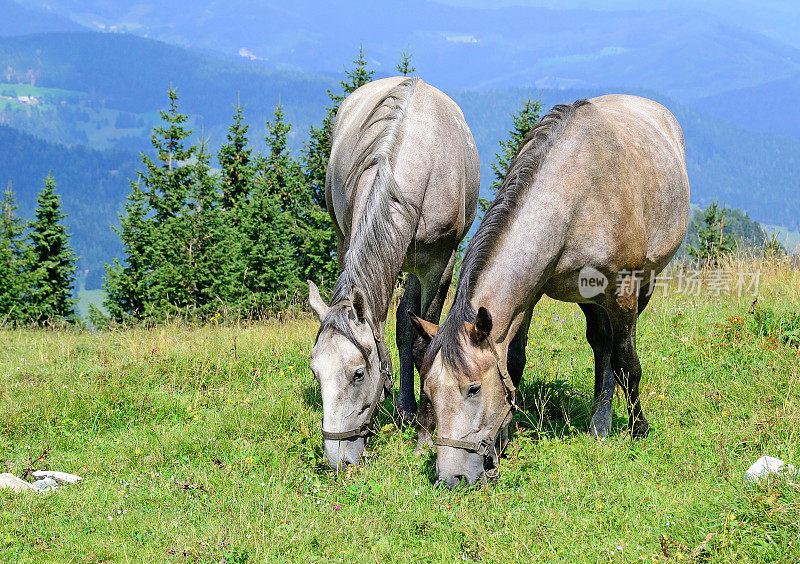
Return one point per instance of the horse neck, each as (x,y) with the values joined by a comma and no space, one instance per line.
(513,273)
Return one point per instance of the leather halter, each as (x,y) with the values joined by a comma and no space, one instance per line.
(385,384)
(485,447)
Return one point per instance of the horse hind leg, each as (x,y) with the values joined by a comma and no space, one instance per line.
(624,358)
(407,402)
(600,337)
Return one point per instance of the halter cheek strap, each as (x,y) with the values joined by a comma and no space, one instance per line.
(385,385)
(485,447)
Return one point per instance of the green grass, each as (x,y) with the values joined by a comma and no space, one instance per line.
(203,444)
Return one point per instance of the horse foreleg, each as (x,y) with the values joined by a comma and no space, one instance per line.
(407,403)
(434,294)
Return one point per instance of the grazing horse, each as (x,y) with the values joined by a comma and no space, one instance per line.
(402,190)
(594,205)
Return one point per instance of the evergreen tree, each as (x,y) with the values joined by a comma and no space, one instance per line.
(522,122)
(273,224)
(127,285)
(235,158)
(12,260)
(171,231)
(167,180)
(404,67)
(51,261)
(713,243)
(191,256)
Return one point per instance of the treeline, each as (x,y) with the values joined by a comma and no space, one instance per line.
(239,231)
(241,238)
(37,264)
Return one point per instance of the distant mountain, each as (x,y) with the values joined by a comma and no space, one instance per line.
(770,107)
(93,185)
(685,53)
(20,20)
(779,19)
(132,74)
(104,90)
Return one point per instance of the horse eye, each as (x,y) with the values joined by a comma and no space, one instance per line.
(474,390)
(358,375)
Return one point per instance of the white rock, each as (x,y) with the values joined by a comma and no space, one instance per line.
(62,477)
(10,481)
(766,466)
(45,485)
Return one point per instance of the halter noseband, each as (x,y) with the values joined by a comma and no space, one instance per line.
(485,447)
(385,384)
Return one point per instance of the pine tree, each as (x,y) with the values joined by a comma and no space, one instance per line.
(170,231)
(12,261)
(235,159)
(523,121)
(713,243)
(51,261)
(404,67)
(195,257)
(127,285)
(273,224)
(167,180)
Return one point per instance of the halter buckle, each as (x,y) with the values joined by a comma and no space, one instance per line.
(484,448)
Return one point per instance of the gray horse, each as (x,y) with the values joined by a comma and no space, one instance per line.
(402,190)
(594,205)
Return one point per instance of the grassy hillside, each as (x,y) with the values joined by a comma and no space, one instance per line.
(203,443)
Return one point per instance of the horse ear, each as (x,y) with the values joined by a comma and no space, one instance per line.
(315,300)
(426,329)
(359,304)
(480,330)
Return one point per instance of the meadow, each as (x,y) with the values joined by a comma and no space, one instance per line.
(202,444)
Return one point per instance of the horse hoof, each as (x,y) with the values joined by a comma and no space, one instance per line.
(640,429)
(406,418)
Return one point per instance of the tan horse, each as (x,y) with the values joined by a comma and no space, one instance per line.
(402,190)
(595,204)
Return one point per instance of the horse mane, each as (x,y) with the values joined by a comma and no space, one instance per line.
(522,171)
(378,246)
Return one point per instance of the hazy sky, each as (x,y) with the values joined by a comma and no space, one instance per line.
(779,19)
